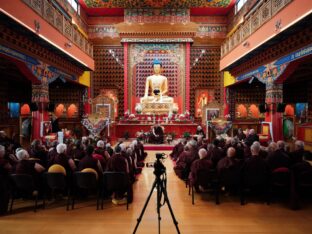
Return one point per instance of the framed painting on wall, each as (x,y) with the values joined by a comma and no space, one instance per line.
(202,98)
(212,113)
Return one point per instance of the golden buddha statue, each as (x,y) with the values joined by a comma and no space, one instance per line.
(159,86)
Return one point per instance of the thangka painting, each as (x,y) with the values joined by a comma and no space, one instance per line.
(106,103)
(202,98)
(140,66)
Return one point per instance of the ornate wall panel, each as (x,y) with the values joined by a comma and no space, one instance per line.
(290,44)
(205,73)
(45,9)
(109,72)
(15,40)
(265,11)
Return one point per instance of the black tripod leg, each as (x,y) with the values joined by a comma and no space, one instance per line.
(170,209)
(159,191)
(144,208)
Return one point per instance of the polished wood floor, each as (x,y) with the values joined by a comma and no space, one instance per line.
(203,217)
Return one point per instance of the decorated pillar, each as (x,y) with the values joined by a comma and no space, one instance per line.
(40,96)
(273,96)
(125,76)
(187,74)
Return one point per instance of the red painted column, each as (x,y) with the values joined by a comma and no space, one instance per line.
(225,102)
(87,105)
(187,76)
(274,95)
(126,107)
(37,117)
(40,95)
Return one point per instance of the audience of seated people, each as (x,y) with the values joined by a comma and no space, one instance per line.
(244,155)
(240,159)
(73,156)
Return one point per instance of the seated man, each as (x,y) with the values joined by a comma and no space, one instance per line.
(200,131)
(118,163)
(157,135)
(279,158)
(200,164)
(184,161)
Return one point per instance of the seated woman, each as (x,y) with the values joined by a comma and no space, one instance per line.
(157,135)
(29,167)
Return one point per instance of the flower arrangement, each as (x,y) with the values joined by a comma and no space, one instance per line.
(131,116)
(138,108)
(127,113)
(187,114)
(175,109)
(182,117)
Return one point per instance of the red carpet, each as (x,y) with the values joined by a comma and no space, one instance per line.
(158,147)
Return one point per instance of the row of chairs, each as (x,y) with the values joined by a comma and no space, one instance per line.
(23,184)
(280,179)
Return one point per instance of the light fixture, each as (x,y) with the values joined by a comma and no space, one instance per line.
(278,25)
(68,44)
(246,44)
(37,26)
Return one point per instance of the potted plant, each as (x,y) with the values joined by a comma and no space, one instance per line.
(187,135)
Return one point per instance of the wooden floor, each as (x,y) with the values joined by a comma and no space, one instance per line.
(203,217)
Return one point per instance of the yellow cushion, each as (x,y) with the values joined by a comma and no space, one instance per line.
(91,170)
(57,168)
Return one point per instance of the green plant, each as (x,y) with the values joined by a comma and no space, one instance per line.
(186,135)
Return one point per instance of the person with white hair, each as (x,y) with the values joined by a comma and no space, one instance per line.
(251,138)
(279,158)
(228,161)
(200,164)
(177,150)
(200,131)
(62,159)
(184,162)
(297,155)
(117,163)
(26,166)
(255,170)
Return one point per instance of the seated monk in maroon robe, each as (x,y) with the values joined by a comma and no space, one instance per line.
(184,162)
(177,150)
(118,163)
(199,165)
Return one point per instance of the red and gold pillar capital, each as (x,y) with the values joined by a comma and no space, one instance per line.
(273,96)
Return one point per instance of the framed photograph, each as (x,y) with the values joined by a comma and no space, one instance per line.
(212,113)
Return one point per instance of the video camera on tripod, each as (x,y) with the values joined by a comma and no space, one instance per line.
(160,184)
(159,167)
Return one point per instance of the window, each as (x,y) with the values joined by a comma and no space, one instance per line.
(239,4)
(74,4)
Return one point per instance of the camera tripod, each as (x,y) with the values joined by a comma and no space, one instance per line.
(160,185)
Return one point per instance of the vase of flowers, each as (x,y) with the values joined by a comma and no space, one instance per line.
(138,108)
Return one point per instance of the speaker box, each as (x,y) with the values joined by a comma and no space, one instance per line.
(51,107)
(262,108)
(34,106)
(280,107)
